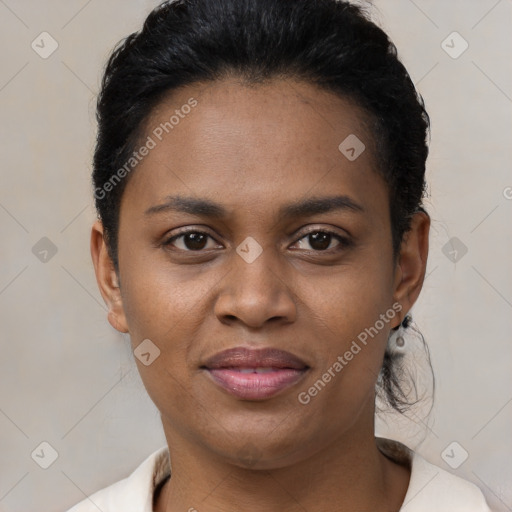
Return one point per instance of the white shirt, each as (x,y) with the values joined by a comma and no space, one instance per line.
(431,489)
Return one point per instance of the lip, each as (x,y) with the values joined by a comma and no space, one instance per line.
(230,370)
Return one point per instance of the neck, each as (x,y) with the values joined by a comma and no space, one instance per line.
(349,474)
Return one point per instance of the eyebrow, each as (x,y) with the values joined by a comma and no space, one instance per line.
(208,208)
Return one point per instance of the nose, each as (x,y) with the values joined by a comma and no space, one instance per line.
(255,292)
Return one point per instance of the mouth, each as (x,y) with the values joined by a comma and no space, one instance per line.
(251,374)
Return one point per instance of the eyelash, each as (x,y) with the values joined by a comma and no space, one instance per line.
(343,241)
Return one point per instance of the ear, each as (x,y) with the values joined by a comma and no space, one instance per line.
(107,279)
(412,263)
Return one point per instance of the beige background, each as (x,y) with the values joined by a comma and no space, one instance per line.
(68,379)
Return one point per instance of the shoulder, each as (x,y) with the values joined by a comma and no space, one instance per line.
(433,488)
(133,493)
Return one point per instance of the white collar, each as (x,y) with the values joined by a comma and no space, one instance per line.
(430,487)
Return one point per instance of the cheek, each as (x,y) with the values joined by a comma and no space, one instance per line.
(158,297)
(352,298)
(170,306)
(352,311)
(165,308)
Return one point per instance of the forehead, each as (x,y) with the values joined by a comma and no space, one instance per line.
(297,113)
(247,144)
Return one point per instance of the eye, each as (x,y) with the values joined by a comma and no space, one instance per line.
(190,241)
(321,240)
(318,240)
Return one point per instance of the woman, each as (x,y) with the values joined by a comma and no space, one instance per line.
(259,174)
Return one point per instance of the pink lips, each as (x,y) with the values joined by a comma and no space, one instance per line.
(252,374)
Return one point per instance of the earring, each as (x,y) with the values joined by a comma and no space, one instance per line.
(396,342)
(399,342)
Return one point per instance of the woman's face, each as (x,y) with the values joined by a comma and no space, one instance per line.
(251,276)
